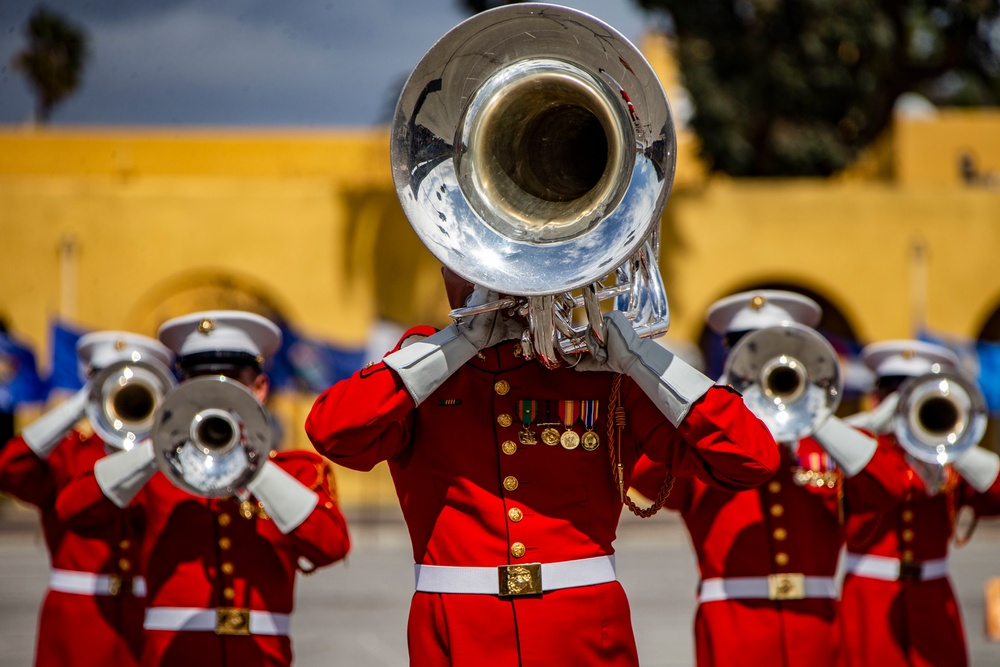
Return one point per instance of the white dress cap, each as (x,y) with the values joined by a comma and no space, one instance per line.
(221,331)
(910,358)
(99,349)
(749,311)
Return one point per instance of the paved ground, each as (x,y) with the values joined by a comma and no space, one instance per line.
(354,613)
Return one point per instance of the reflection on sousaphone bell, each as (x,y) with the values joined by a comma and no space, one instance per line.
(123,399)
(790,377)
(211,436)
(533,151)
(939,417)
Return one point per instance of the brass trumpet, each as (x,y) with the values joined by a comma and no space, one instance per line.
(123,398)
(939,416)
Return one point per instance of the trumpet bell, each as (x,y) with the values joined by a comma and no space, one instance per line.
(790,377)
(210,436)
(124,398)
(940,416)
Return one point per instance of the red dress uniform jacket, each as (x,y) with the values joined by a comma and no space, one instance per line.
(76,629)
(473,495)
(911,621)
(210,553)
(791,524)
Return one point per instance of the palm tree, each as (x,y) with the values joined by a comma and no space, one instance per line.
(53,60)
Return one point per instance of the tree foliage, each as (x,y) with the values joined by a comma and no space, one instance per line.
(53,60)
(799,87)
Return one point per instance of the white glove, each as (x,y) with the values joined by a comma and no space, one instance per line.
(43,434)
(423,366)
(979,467)
(668,381)
(849,447)
(123,474)
(287,500)
(880,419)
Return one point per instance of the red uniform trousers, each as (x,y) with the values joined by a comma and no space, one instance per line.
(213,553)
(474,495)
(76,629)
(790,525)
(910,621)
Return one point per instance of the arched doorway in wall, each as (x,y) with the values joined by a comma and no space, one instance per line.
(833,324)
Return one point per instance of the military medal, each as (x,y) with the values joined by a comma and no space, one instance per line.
(550,436)
(589,440)
(569,411)
(527,410)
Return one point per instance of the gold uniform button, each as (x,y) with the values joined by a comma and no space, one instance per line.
(501,387)
(777,510)
(229,593)
(124,544)
(517,550)
(907,556)
(225,519)
(907,515)
(328,505)
(505,420)
(774,487)
(227,568)
(907,535)
(780,534)
(124,565)
(225,543)
(510,482)
(515,514)
(509,447)
(781,558)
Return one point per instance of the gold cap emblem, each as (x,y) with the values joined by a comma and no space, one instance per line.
(120,344)
(908,354)
(206,326)
(757,302)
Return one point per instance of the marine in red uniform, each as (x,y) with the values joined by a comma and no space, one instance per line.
(220,571)
(96,592)
(503,470)
(899,608)
(768,556)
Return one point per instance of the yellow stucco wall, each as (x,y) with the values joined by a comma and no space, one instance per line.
(125,228)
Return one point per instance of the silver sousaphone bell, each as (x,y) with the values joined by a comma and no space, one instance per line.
(123,399)
(211,436)
(939,417)
(790,377)
(533,151)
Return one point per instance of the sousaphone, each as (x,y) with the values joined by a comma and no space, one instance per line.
(533,150)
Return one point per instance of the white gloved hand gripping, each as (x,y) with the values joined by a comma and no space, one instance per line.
(849,447)
(43,434)
(979,467)
(288,501)
(880,419)
(123,474)
(423,366)
(667,380)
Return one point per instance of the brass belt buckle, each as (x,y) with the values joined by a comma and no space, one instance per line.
(520,579)
(786,586)
(232,621)
(119,586)
(910,571)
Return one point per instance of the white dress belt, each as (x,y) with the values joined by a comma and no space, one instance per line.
(188,618)
(486,580)
(788,586)
(893,569)
(89,583)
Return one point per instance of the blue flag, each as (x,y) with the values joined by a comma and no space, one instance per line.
(65,370)
(19,379)
(311,365)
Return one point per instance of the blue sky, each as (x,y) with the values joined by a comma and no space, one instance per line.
(247,62)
